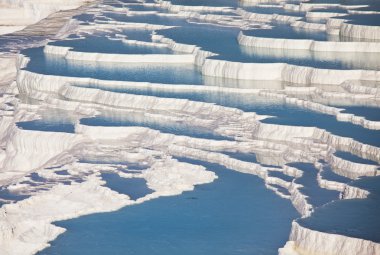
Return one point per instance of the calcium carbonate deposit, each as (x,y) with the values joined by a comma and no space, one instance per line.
(190,127)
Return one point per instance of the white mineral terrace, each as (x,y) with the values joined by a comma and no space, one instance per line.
(27,225)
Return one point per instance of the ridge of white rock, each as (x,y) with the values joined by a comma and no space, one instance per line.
(68,53)
(177,8)
(57,85)
(111,25)
(220,20)
(307,6)
(8,66)
(308,25)
(360,31)
(284,72)
(351,169)
(28,150)
(311,45)
(260,17)
(306,241)
(16,15)
(315,15)
(199,55)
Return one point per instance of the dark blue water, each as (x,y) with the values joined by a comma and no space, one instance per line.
(353,217)
(316,196)
(85,17)
(353,158)
(36,177)
(138,34)
(10,196)
(235,214)
(370,113)
(364,19)
(42,125)
(280,175)
(62,172)
(133,187)
(329,174)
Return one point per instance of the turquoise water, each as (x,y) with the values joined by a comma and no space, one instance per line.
(55,120)
(235,214)
(100,44)
(289,32)
(45,125)
(168,73)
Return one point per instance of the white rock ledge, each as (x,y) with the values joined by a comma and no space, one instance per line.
(311,45)
(67,53)
(304,241)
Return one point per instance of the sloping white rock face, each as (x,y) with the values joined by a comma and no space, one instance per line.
(27,150)
(306,241)
(8,67)
(67,53)
(176,8)
(284,72)
(360,31)
(311,45)
(16,15)
(267,17)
